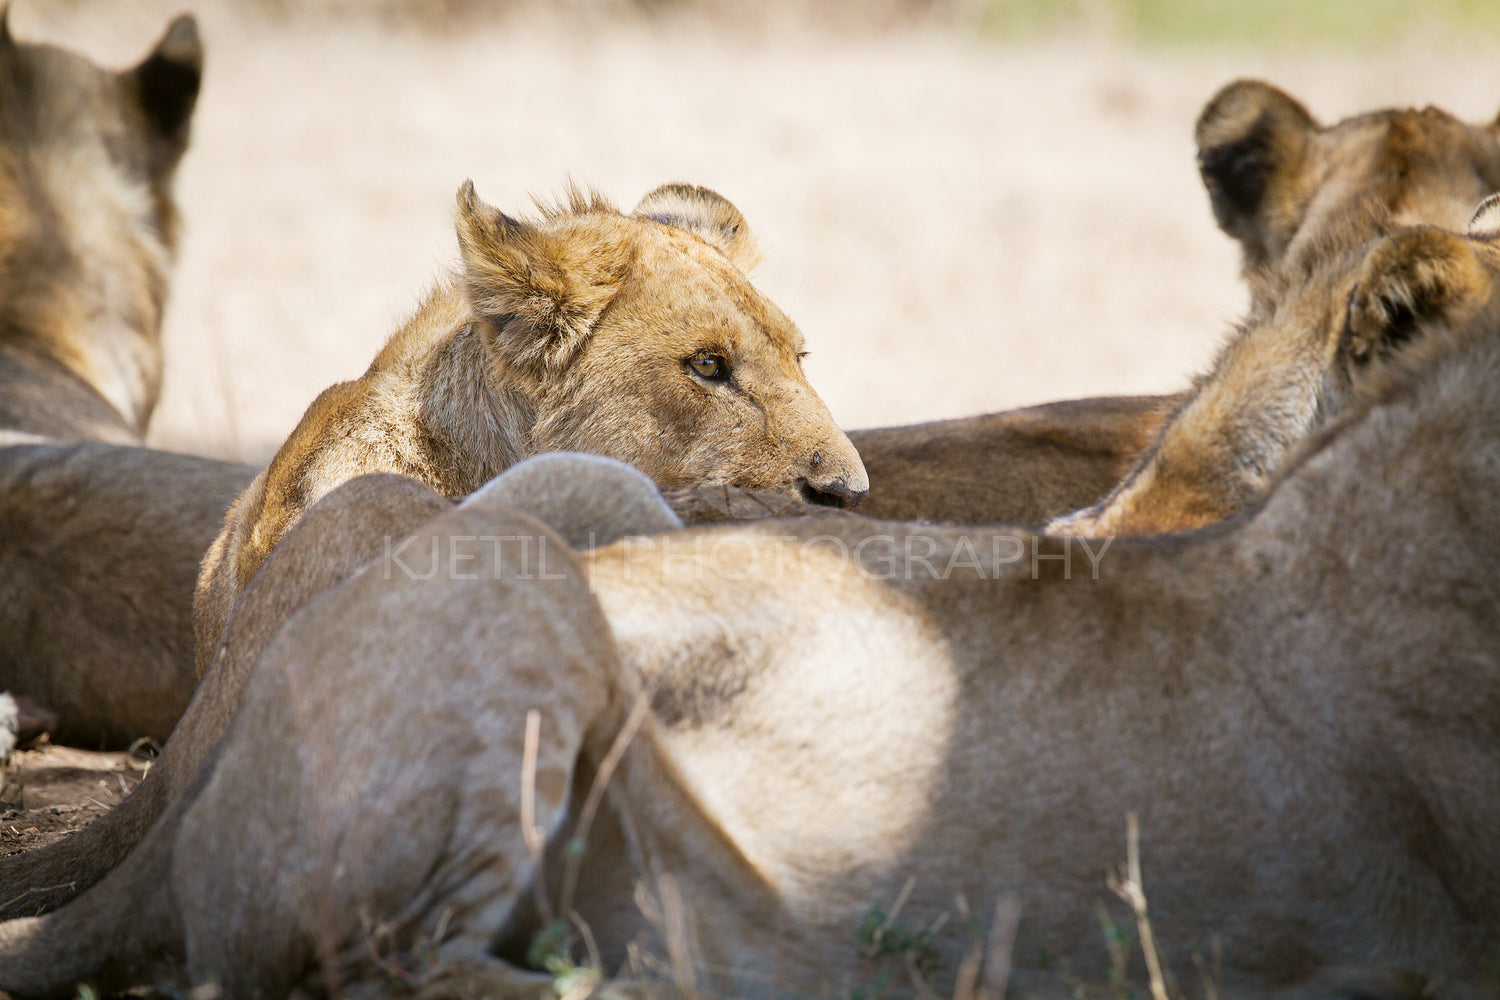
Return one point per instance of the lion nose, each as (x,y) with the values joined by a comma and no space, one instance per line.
(835,476)
(837,493)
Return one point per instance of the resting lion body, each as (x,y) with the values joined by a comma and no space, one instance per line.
(99,538)
(808,720)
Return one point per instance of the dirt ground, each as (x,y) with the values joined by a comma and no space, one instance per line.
(49,791)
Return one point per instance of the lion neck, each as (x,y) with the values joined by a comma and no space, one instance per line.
(468,416)
(87,287)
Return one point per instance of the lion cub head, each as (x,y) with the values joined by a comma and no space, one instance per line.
(87,229)
(640,337)
(1279,181)
(637,337)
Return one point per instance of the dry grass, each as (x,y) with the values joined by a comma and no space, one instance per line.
(958,227)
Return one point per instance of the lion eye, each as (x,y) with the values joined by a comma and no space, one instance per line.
(709,366)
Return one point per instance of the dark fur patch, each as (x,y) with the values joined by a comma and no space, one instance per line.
(1237,173)
(167,91)
(700,684)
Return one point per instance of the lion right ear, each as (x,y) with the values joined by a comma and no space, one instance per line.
(1422,275)
(1250,136)
(165,87)
(541,287)
(707,215)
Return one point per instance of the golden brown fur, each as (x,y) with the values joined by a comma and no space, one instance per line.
(1277,379)
(1282,185)
(1277,179)
(579,331)
(1280,379)
(1298,197)
(1300,706)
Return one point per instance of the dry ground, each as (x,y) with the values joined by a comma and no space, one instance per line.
(957,226)
(49,791)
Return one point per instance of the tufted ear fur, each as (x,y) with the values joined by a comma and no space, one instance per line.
(165,89)
(1484,224)
(540,286)
(705,214)
(1251,139)
(1418,276)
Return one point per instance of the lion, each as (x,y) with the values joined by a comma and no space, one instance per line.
(1281,185)
(760,751)
(1021,467)
(1278,180)
(100,539)
(1298,197)
(88,229)
(1274,383)
(634,336)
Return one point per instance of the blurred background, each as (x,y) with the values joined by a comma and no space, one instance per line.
(967,205)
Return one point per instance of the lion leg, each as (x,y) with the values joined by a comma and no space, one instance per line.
(351,526)
(371,795)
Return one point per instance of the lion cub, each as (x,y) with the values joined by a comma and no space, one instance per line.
(1301,198)
(637,337)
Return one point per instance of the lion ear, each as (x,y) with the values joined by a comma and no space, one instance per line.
(1250,136)
(1484,224)
(1418,276)
(707,215)
(165,87)
(541,287)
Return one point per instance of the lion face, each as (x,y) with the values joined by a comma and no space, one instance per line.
(642,339)
(1280,182)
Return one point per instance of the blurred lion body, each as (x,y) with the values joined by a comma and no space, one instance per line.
(87,231)
(889,712)
(99,539)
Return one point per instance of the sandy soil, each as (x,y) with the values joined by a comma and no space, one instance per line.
(957,227)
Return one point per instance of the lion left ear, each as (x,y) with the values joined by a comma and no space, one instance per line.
(707,215)
(1423,275)
(165,87)
(540,286)
(1252,140)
